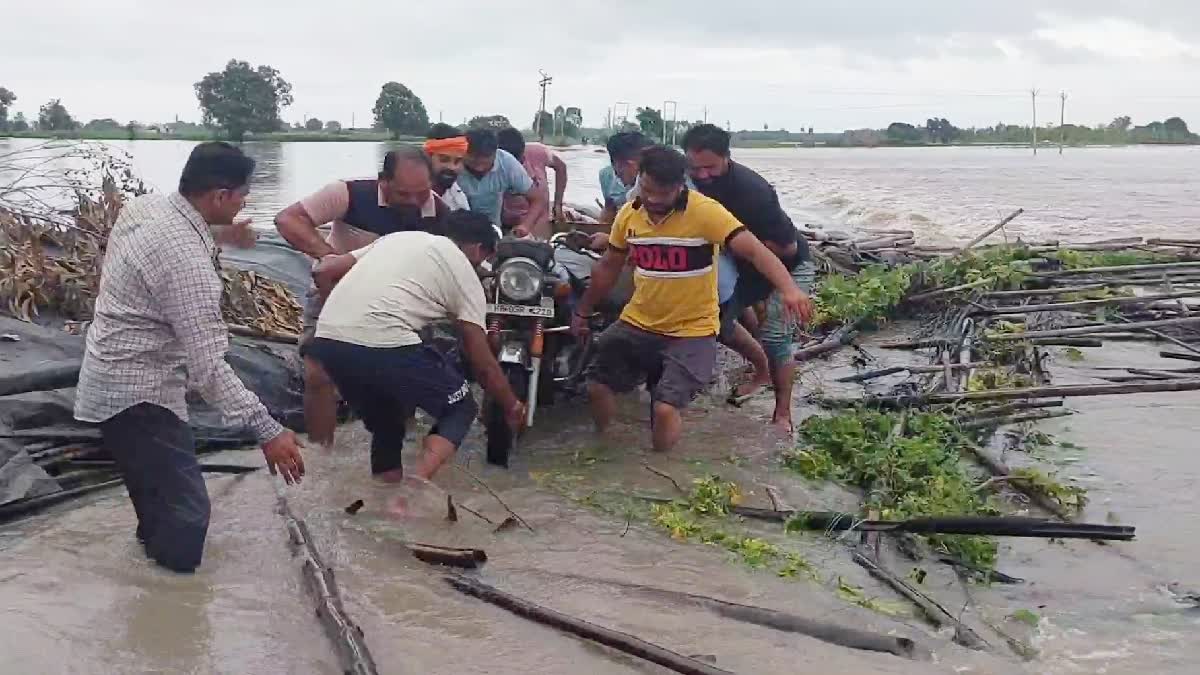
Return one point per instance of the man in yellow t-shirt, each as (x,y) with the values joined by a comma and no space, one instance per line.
(668,330)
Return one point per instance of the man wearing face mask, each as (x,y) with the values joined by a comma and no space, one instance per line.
(400,199)
(369,340)
(668,329)
(446,147)
(158,333)
(750,198)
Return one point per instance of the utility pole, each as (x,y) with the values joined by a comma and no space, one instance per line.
(351,120)
(674,119)
(1062,122)
(439,116)
(543,83)
(706,114)
(1033,129)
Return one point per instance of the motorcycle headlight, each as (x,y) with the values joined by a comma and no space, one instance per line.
(520,279)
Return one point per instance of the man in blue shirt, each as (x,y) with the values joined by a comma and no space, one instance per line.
(620,176)
(489,173)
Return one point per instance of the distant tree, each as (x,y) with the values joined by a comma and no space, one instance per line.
(131,129)
(810,131)
(53,116)
(651,122)
(574,116)
(1176,128)
(903,132)
(494,122)
(105,124)
(243,99)
(333,126)
(19,124)
(1121,123)
(940,130)
(400,111)
(7,98)
(313,124)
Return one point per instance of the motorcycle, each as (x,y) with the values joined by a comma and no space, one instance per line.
(531,294)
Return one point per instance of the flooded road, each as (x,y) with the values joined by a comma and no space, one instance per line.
(79,597)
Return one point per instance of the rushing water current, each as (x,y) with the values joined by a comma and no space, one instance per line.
(77,596)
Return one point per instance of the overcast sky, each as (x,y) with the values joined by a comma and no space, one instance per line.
(785,63)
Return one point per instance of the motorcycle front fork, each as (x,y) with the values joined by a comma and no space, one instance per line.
(535,369)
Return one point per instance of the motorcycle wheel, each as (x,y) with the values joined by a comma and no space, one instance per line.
(500,437)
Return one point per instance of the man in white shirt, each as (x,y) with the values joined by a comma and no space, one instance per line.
(368,337)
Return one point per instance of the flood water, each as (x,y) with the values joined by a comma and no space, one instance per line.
(78,597)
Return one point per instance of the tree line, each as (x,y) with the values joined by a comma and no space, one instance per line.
(244,99)
(1119,130)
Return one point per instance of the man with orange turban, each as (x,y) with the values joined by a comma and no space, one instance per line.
(446,147)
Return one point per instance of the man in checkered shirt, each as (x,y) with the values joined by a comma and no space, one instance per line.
(157,331)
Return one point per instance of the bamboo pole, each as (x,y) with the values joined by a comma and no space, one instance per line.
(1118,269)
(1093,330)
(622,642)
(268,335)
(1065,390)
(46,376)
(988,232)
(1084,304)
(1061,290)
(988,422)
(937,293)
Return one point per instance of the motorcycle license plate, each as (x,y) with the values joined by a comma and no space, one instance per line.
(521,310)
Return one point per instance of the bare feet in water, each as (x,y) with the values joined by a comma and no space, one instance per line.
(417,497)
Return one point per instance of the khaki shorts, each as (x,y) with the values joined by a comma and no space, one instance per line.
(677,368)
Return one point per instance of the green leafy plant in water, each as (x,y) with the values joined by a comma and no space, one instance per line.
(997,378)
(1002,267)
(684,524)
(1026,616)
(915,474)
(1068,496)
(1074,259)
(711,496)
(868,297)
(855,595)
(1073,354)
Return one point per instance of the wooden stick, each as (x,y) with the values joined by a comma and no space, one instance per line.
(1118,269)
(663,474)
(834,341)
(1000,469)
(465,558)
(352,650)
(45,376)
(1008,409)
(1067,390)
(1164,336)
(492,492)
(268,335)
(1181,357)
(921,297)
(935,612)
(1014,419)
(622,642)
(1061,290)
(988,232)
(1084,304)
(1067,342)
(1093,330)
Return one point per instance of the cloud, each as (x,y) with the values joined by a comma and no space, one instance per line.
(829,65)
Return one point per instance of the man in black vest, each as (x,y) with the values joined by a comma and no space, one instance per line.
(358,212)
(752,200)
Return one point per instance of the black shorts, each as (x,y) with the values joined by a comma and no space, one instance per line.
(385,386)
(677,368)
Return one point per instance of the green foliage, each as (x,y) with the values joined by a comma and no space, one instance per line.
(1072,259)
(869,296)
(243,99)
(917,473)
(855,595)
(1003,267)
(106,124)
(400,111)
(1026,616)
(1068,496)
(7,98)
(333,126)
(53,116)
(682,521)
(1073,354)
(19,123)
(712,497)
(313,124)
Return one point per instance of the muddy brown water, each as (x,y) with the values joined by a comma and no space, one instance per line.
(77,595)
